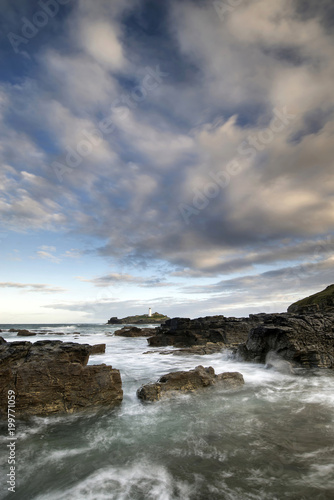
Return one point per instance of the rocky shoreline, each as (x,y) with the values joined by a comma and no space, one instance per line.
(51,377)
(303,339)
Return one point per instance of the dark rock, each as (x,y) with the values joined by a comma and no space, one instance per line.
(114,321)
(185,332)
(306,340)
(25,333)
(97,349)
(2,341)
(188,381)
(13,330)
(52,376)
(134,331)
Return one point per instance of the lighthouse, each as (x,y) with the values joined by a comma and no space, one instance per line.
(149,312)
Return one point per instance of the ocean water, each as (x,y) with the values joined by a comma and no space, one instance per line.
(271,440)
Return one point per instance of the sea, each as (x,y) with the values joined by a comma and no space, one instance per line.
(272,439)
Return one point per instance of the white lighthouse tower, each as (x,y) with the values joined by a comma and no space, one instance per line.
(149,312)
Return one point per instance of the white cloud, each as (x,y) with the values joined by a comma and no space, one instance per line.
(33,287)
(101,42)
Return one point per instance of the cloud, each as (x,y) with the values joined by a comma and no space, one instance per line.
(113,279)
(228,81)
(33,287)
(100,41)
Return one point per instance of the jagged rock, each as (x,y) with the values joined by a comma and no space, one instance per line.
(25,333)
(188,381)
(2,341)
(185,332)
(97,349)
(134,331)
(52,376)
(307,340)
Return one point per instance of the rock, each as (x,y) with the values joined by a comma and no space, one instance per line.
(25,333)
(114,321)
(49,377)
(13,330)
(2,341)
(306,340)
(134,331)
(319,302)
(97,349)
(188,381)
(185,332)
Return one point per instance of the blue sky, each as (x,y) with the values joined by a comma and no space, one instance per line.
(175,155)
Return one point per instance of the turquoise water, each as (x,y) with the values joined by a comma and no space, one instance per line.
(273,439)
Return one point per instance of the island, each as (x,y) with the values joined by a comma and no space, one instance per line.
(142,319)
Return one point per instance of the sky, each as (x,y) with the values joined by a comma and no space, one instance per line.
(172,154)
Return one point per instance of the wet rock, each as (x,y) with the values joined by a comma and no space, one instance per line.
(97,349)
(25,333)
(134,331)
(12,330)
(2,341)
(188,381)
(49,377)
(306,340)
(185,332)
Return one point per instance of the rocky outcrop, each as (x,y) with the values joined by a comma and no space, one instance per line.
(188,381)
(306,340)
(185,332)
(155,318)
(53,376)
(319,302)
(134,331)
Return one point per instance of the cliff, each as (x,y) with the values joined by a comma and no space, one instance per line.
(321,301)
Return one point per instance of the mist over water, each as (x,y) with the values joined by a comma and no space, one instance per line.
(272,439)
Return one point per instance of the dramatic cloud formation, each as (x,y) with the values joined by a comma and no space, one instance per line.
(181,143)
